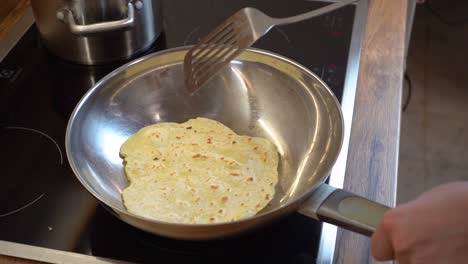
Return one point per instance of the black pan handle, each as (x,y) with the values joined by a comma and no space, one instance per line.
(344,209)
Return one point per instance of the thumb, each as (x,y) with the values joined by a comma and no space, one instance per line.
(381,243)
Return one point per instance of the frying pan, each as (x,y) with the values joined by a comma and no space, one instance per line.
(258,94)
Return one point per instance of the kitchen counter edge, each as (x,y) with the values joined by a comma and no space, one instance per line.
(372,165)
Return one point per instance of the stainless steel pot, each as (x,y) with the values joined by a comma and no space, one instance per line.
(98,31)
(258,94)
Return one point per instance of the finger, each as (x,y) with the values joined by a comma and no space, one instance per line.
(381,245)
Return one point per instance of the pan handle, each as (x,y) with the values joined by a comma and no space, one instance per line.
(344,209)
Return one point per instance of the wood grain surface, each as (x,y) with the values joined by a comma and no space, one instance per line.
(10,12)
(373,152)
(13,260)
(26,254)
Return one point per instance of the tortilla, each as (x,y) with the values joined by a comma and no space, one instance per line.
(197,172)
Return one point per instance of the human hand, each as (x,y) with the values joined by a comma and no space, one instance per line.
(433,228)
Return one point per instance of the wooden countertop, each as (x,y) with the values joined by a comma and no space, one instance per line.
(10,13)
(372,165)
(373,152)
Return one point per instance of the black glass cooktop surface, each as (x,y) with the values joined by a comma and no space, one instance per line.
(43,204)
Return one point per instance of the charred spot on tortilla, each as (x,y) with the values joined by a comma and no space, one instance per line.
(204,173)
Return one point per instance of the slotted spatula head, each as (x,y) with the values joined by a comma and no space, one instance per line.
(222,45)
(235,34)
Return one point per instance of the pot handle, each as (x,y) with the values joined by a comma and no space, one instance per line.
(344,209)
(67,17)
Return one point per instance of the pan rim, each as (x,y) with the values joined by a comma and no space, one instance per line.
(304,196)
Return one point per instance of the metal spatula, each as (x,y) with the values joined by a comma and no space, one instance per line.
(231,37)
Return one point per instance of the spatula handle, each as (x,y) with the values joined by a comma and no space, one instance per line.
(313,13)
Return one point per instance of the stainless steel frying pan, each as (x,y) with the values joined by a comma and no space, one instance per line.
(259,94)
